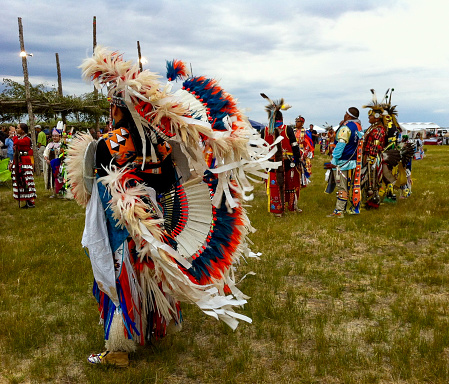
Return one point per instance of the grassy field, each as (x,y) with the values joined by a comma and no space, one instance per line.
(364,299)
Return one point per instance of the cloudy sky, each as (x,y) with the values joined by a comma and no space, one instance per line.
(322,56)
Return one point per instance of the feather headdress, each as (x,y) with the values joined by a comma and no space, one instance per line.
(391,110)
(274,109)
(201,116)
(176,69)
(377,109)
(327,126)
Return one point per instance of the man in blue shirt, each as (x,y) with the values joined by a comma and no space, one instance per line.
(344,163)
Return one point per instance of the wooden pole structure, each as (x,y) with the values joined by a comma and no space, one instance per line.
(97,118)
(28,97)
(140,56)
(58,69)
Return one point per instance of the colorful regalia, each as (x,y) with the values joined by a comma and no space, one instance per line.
(284,183)
(393,174)
(404,179)
(164,215)
(22,171)
(383,160)
(289,181)
(51,153)
(346,165)
(373,145)
(323,144)
(331,140)
(59,167)
(55,175)
(306,150)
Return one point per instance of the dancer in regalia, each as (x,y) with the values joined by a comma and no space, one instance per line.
(396,156)
(346,165)
(306,148)
(163,192)
(404,180)
(51,153)
(373,145)
(284,183)
(22,168)
(323,143)
(331,140)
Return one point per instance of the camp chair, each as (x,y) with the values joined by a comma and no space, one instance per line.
(5,175)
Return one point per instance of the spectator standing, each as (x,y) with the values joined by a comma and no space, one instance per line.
(315,136)
(9,142)
(41,144)
(3,147)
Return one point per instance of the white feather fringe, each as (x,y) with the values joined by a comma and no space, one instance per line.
(75,166)
(117,340)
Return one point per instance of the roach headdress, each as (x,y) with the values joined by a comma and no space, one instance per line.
(391,119)
(377,109)
(274,111)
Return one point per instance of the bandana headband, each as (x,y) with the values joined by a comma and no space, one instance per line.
(350,114)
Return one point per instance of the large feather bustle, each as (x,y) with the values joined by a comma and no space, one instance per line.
(232,134)
(407,153)
(391,157)
(75,166)
(207,119)
(127,206)
(167,271)
(108,68)
(177,69)
(232,147)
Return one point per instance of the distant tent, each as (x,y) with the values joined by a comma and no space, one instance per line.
(418,126)
(256,125)
(318,129)
(412,129)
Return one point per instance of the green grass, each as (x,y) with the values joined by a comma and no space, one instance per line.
(364,299)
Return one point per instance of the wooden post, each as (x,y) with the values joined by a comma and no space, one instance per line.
(58,69)
(140,56)
(97,118)
(28,98)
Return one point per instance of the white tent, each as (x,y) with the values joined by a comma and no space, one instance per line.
(412,129)
(318,129)
(418,126)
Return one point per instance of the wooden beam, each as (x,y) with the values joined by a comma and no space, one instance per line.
(28,96)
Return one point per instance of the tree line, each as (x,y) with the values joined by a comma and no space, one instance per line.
(48,105)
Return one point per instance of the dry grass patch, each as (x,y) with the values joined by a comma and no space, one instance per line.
(362,299)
